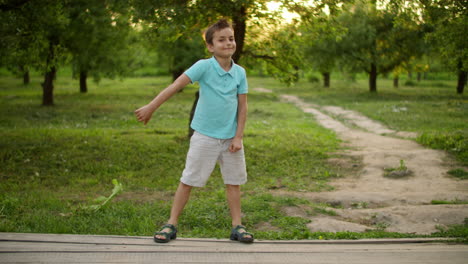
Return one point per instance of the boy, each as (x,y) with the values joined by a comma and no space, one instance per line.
(218,123)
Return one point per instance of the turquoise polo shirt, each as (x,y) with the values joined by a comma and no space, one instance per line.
(216,112)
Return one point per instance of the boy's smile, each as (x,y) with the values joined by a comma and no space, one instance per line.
(224,44)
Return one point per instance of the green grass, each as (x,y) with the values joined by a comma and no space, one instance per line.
(398,172)
(459,173)
(448,202)
(57,160)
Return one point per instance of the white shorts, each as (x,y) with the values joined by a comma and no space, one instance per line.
(202,156)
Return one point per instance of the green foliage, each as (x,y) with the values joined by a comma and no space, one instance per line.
(281,54)
(459,173)
(179,52)
(102,200)
(273,47)
(398,172)
(457,231)
(30,33)
(101,39)
(313,78)
(410,83)
(321,38)
(115,38)
(448,19)
(455,142)
(378,37)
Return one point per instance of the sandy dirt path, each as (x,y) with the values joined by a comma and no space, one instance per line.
(367,199)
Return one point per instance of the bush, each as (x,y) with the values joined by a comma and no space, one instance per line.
(312,78)
(410,83)
(453,142)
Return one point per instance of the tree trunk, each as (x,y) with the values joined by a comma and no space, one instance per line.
(396,80)
(26,79)
(326,79)
(462,78)
(83,84)
(419,76)
(175,74)
(48,87)
(373,78)
(239,23)
(49,77)
(192,113)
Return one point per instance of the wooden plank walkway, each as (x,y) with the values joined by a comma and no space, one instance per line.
(58,248)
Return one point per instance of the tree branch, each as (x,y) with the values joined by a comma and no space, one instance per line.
(258,56)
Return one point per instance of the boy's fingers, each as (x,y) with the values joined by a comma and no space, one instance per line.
(233,148)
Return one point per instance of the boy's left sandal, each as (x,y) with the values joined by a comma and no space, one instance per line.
(244,237)
(167,235)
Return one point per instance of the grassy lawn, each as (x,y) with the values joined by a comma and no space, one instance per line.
(55,161)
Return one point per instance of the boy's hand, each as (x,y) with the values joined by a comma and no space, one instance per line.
(144,114)
(236,145)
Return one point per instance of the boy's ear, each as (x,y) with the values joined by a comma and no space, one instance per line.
(210,47)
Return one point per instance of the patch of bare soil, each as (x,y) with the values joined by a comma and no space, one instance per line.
(366,199)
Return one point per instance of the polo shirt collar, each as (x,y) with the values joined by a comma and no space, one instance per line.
(220,70)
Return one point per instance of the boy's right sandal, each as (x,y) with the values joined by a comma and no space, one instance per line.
(167,235)
(244,237)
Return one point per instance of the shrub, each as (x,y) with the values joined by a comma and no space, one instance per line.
(454,142)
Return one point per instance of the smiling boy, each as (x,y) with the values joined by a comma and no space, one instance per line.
(218,123)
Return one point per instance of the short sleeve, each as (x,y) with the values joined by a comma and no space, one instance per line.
(243,85)
(195,72)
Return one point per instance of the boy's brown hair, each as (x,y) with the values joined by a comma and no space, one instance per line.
(221,24)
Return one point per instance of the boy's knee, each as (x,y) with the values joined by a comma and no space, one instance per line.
(231,187)
(185,186)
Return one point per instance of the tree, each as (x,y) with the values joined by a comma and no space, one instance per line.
(378,40)
(249,17)
(320,34)
(99,39)
(43,34)
(278,52)
(179,53)
(36,29)
(16,52)
(450,21)
(51,20)
(408,38)
(184,17)
(321,44)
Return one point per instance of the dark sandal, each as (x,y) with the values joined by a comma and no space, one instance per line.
(241,237)
(167,235)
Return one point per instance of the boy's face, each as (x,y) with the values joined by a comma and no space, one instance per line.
(224,44)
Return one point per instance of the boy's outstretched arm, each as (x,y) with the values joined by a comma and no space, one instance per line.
(144,113)
(236,144)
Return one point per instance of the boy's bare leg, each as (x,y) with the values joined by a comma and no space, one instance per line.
(180,200)
(233,197)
